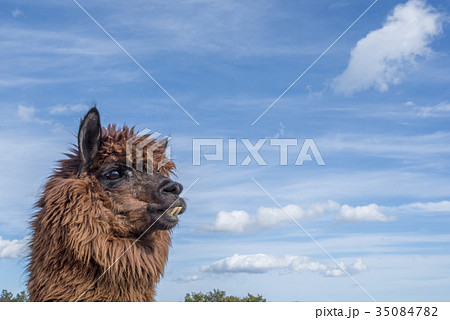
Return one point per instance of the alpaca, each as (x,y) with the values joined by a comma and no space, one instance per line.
(102,229)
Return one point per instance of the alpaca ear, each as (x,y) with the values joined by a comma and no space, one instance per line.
(162,143)
(89,138)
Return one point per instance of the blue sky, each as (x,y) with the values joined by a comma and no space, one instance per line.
(376,104)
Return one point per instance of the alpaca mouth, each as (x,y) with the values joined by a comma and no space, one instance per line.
(165,219)
(174,211)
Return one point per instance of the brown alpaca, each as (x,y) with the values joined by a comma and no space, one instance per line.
(102,230)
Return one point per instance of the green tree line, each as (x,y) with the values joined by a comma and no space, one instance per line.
(212,296)
(220,296)
(7,296)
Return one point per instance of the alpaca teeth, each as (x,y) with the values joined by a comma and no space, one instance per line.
(174,211)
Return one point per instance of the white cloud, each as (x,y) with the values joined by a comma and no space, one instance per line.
(354,268)
(25,113)
(261,263)
(239,221)
(12,248)
(17,13)
(442,206)
(187,278)
(64,109)
(371,212)
(442,109)
(233,221)
(378,59)
(266,218)
(269,217)
(281,131)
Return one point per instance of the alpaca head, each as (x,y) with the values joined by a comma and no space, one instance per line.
(133,201)
(108,194)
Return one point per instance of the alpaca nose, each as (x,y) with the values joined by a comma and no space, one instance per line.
(172,187)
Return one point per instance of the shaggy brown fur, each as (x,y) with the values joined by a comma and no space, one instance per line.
(86,222)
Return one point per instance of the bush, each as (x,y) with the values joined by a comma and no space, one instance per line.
(220,296)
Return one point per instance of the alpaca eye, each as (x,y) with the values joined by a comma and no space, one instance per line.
(113,175)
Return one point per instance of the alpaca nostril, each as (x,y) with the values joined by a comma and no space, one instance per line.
(172,187)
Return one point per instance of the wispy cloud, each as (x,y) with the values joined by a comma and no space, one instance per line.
(406,147)
(378,59)
(281,131)
(17,13)
(25,113)
(37,56)
(184,278)
(441,206)
(65,109)
(441,109)
(261,263)
(12,248)
(28,114)
(227,28)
